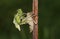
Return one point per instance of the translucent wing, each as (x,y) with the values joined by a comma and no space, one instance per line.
(17,19)
(16,25)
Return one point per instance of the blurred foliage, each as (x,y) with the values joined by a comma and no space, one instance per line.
(49,19)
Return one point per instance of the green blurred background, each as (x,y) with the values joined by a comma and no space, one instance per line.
(49,19)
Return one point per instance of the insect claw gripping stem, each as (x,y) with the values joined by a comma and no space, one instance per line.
(35,12)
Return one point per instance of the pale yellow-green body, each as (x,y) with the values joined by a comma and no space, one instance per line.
(28,19)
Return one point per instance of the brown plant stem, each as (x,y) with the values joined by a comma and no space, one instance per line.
(35,12)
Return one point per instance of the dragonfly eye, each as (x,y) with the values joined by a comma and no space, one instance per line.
(21,19)
(25,15)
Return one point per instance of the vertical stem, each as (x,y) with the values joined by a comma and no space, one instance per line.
(35,12)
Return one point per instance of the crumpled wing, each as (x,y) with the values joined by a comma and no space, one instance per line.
(16,25)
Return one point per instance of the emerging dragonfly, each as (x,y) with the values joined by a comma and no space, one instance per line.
(20,19)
